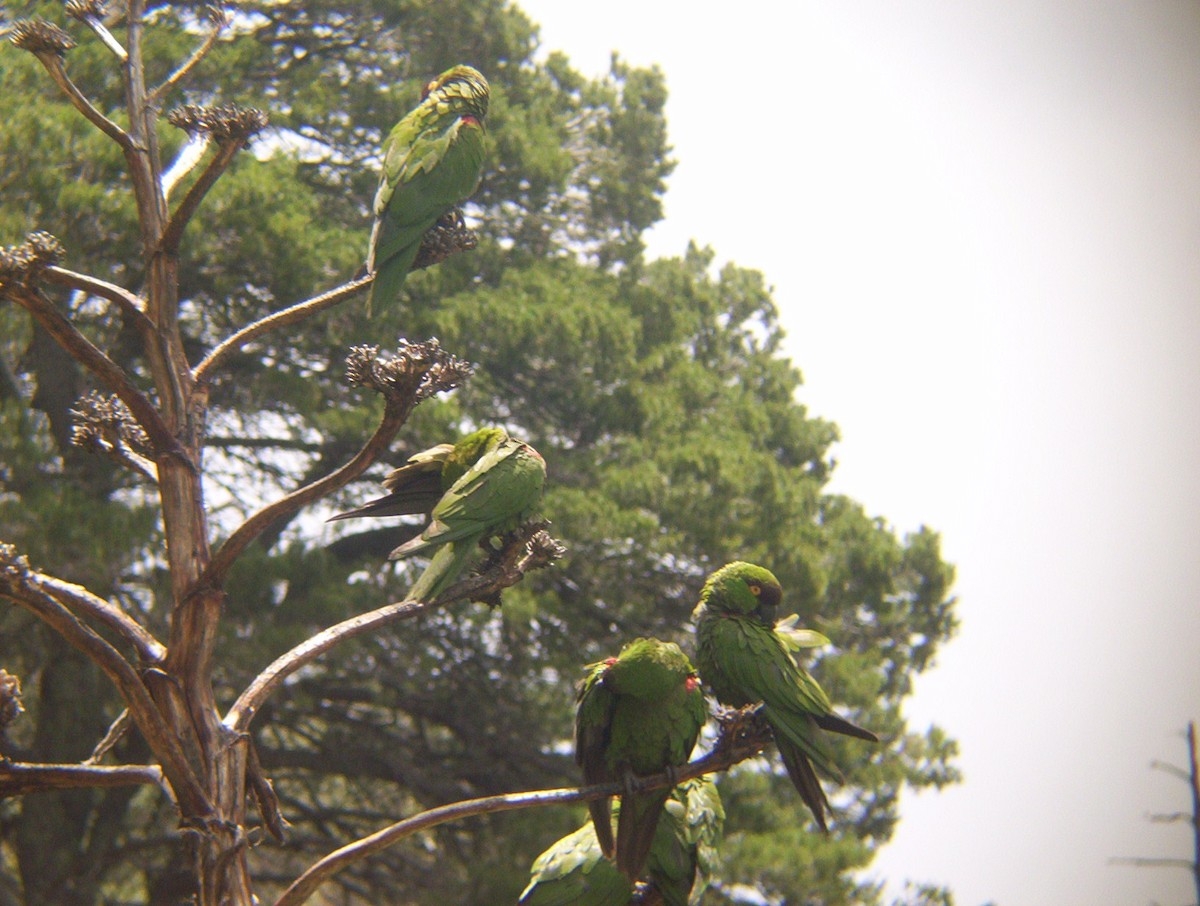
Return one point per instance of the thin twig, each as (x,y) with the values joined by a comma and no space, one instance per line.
(264,795)
(741,742)
(128,302)
(111,738)
(218,164)
(190,63)
(395,413)
(282,318)
(242,713)
(17,778)
(91,357)
(54,66)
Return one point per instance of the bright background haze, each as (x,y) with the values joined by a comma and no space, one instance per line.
(982,223)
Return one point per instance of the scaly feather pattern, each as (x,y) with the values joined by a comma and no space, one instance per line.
(574,872)
(432,161)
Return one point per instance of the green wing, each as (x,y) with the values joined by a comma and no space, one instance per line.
(574,872)
(594,706)
(754,663)
(492,496)
(432,161)
(683,855)
(433,176)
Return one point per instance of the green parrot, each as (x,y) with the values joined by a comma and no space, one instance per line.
(574,872)
(745,659)
(639,713)
(432,161)
(484,485)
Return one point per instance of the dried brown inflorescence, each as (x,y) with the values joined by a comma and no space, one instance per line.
(449,236)
(104,424)
(19,263)
(417,371)
(225,123)
(40,37)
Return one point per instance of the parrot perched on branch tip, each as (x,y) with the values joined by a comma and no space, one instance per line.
(484,485)
(745,658)
(432,161)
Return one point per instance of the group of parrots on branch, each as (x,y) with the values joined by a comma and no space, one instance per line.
(639,713)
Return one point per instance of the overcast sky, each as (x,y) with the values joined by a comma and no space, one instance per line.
(982,223)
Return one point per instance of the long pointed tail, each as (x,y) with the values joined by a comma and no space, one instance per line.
(635,829)
(445,567)
(804,779)
(601,812)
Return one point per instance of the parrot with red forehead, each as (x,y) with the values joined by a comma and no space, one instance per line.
(432,161)
(639,713)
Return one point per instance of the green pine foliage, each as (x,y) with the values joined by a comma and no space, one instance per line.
(656,390)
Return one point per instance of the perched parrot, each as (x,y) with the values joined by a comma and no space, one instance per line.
(745,659)
(432,161)
(639,713)
(482,486)
(574,872)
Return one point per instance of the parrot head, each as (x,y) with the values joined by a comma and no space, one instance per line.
(745,589)
(469,450)
(459,91)
(650,669)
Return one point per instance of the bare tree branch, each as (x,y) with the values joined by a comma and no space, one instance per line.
(128,302)
(743,735)
(416,372)
(91,357)
(525,551)
(219,19)
(111,738)
(88,12)
(1147,862)
(18,584)
(395,413)
(54,66)
(217,164)
(17,778)
(78,599)
(283,318)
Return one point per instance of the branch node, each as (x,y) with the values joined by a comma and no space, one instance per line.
(41,37)
(226,123)
(416,372)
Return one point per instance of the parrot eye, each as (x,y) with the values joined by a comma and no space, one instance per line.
(756,590)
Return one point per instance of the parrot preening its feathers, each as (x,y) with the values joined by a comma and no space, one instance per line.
(484,485)
(432,161)
(744,658)
(639,713)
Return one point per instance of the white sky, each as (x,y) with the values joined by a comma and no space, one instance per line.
(982,223)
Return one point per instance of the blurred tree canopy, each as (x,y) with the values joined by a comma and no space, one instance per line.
(656,390)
